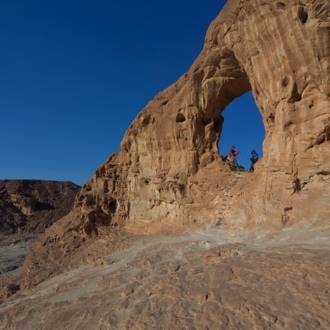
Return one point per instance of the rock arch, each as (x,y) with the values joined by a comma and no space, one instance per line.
(172,144)
(168,172)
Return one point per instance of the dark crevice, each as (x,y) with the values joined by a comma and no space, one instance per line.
(296,185)
(321,138)
(285,82)
(146,120)
(42,206)
(218,123)
(323,173)
(288,124)
(280,5)
(302,15)
(164,103)
(112,205)
(295,95)
(270,120)
(206,121)
(180,118)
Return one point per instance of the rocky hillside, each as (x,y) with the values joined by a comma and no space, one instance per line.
(32,206)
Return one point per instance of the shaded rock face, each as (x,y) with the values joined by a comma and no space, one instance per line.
(169,174)
(31,206)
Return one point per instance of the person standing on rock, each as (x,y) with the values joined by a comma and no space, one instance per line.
(254,158)
(231,158)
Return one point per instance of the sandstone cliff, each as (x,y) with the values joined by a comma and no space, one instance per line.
(168,173)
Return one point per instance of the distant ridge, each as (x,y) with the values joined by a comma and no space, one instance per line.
(33,205)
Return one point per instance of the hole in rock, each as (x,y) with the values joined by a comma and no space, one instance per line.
(180,118)
(243,128)
(303,15)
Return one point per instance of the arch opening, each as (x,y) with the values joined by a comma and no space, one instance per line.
(242,128)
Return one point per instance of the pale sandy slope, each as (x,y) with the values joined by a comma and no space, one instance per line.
(206,279)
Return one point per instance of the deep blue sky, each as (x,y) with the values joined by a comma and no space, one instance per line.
(74,73)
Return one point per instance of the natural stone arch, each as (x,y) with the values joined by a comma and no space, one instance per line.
(219,91)
(169,173)
(175,137)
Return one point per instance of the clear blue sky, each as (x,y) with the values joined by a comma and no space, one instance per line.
(74,73)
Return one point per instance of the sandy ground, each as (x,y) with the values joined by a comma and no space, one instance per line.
(206,279)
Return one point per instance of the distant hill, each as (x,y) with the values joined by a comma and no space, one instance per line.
(33,205)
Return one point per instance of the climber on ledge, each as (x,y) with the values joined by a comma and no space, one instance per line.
(254,158)
(231,158)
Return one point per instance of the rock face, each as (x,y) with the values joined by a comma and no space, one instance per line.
(169,174)
(32,206)
(27,208)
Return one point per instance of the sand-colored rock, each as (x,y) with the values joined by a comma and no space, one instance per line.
(168,173)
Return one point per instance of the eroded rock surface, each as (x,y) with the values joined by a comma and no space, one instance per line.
(168,173)
(205,279)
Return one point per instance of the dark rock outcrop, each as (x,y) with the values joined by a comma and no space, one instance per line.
(31,206)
